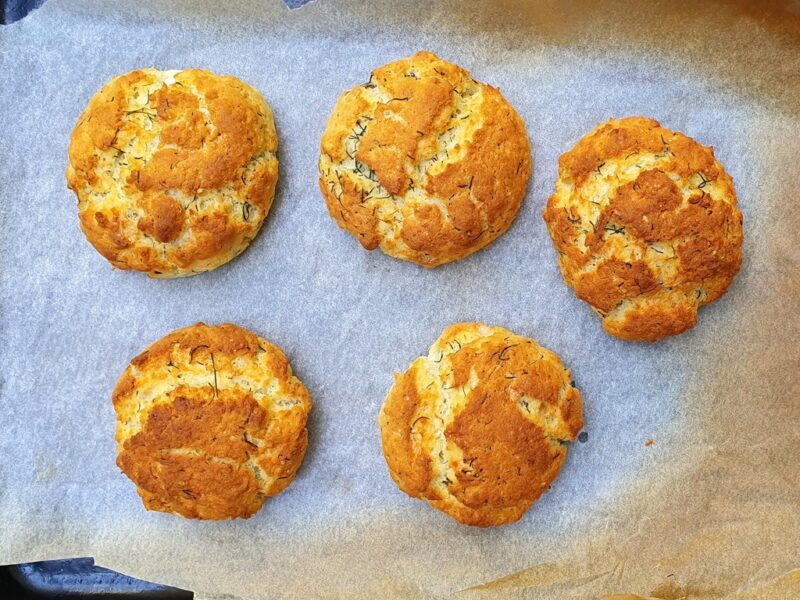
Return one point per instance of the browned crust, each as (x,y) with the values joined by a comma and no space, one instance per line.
(173,178)
(424,162)
(647,227)
(410,466)
(211,421)
(478,426)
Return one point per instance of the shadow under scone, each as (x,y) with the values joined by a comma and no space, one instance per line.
(210,422)
(424,162)
(479,426)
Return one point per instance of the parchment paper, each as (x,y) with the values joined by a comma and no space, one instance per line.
(711,509)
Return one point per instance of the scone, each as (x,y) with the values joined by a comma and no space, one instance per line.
(479,426)
(210,421)
(646,225)
(174,170)
(424,162)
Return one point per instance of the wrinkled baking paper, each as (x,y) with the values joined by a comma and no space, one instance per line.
(710,509)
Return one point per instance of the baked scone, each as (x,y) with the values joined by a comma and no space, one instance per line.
(424,161)
(478,426)
(646,225)
(174,170)
(210,421)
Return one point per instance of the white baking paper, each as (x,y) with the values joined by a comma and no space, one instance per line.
(711,509)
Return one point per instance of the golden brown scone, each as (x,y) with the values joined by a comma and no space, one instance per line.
(646,226)
(210,421)
(478,426)
(424,161)
(174,170)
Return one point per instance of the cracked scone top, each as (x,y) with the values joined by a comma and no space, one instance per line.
(174,170)
(478,426)
(646,225)
(424,162)
(210,422)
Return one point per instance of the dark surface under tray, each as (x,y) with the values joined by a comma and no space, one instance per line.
(14,10)
(78,578)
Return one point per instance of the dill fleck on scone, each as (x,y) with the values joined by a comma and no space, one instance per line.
(210,422)
(478,426)
(646,225)
(174,170)
(424,162)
